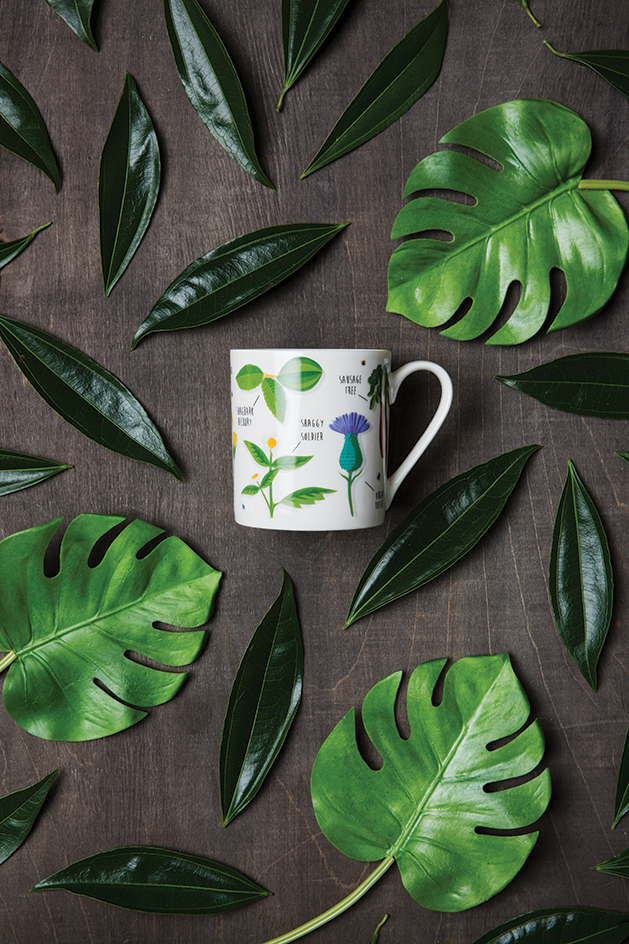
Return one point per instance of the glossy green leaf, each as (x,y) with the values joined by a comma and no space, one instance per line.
(18,470)
(574,925)
(376,936)
(22,128)
(157,881)
(619,865)
(427,806)
(9,250)
(67,637)
(402,77)
(306,496)
(77,14)
(580,577)
(611,64)
(263,701)
(621,800)
(526,219)
(235,273)
(300,373)
(128,183)
(438,532)
(18,812)
(257,453)
(211,82)
(274,397)
(594,383)
(249,377)
(525,4)
(86,395)
(306,24)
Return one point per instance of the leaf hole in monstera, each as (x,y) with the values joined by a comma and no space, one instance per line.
(558,292)
(441,234)
(52,555)
(476,155)
(127,704)
(371,756)
(104,542)
(443,193)
(437,692)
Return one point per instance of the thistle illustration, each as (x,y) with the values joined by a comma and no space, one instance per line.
(350,425)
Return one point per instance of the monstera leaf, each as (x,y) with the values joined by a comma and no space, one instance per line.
(67,636)
(532,215)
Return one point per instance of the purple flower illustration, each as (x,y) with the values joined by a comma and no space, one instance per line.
(350,425)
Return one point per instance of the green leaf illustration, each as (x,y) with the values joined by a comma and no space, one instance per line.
(619,865)
(156,881)
(269,478)
(263,702)
(300,373)
(18,812)
(274,397)
(77,14)
(580,577)
(402,77)
(611,64)
(18,470)
(621,800)
(438,532)
(257,454)
(211,82)
(250,490)
(128,183)
(527,218)
(306,24)
(594,383)
(290,462)
(22,128)
(575,925)
(249,377)
(9,250)
(85,394)
(525,4)
(64,634)
(234,274)
(306,496)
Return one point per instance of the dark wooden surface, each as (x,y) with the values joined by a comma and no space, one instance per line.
(157,783)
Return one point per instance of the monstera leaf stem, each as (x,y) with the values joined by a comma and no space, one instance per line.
(604,185)
(7,660)
(342,906)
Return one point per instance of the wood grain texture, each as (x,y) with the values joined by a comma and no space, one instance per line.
(157,783)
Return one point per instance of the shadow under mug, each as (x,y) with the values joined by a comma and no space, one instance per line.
(310,436)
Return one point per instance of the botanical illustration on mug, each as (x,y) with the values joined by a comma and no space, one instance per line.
(299,374)
(350,425)
(379,393)
(303,496)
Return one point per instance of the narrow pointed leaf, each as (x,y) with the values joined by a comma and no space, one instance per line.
(257,454)
(235,273)
(77,14)
(263,701)
(619,865)
(274,397)
(438,532)
(402,77)
(621,801)
(580,577)
(18,812)
(9,250)
(575,925)
(300,373)
(128,183)
(428,805)
(22,128)
(86,395)
(610,64)
(156,881)
(211,82)
(69,635)
(525,4)
(306,24)
(18,470)
(306,496)
(290,462)
(595,383)
(249,377)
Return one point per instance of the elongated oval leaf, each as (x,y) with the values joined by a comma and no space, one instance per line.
(595,383)
(263,701)
(300,373)
(621,800)
(527,218)
(64,632)
(580,577)
(86,395)
(619,865)
(128,183)
(438,532)
(274,397)
(157,881)
(402,77)
(306,496)
(235,273)
(18,470)
(249,377)
(211,82)
(427,805)
(18,812)
(306,24)
(9,250)
(22,128)
(610,64)
(575,925)
(77,14)
(257,453)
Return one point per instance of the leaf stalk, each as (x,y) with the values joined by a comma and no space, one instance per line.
(338,909)
(7,660)
(604,185)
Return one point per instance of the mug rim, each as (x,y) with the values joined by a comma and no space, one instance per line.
(321,350)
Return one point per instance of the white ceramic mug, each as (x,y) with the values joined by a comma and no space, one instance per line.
(310,436)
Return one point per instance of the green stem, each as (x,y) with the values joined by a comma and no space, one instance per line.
(604,185)
(278,107)
(8,659)
(342,906)
(535,20)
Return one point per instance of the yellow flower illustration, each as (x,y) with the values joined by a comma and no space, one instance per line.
(271,443)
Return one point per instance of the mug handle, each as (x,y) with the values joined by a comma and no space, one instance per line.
(395,381)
